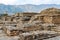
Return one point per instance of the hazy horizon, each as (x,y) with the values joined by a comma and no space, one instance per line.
(34,2)
(30,4)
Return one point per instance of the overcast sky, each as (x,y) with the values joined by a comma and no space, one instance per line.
(37,2)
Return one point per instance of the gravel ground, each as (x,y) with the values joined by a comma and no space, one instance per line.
(9,38)
(54,38)
(3,36)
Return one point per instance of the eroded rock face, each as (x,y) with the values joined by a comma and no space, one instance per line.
(50,15)
(46,20)
(51,11)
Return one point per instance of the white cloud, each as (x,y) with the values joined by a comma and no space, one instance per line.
(40,1)
(33,1)
(17,2)
(8,1)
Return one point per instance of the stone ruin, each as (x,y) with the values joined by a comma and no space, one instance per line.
(32,26)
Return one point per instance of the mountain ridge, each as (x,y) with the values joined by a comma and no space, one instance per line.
(25,8)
